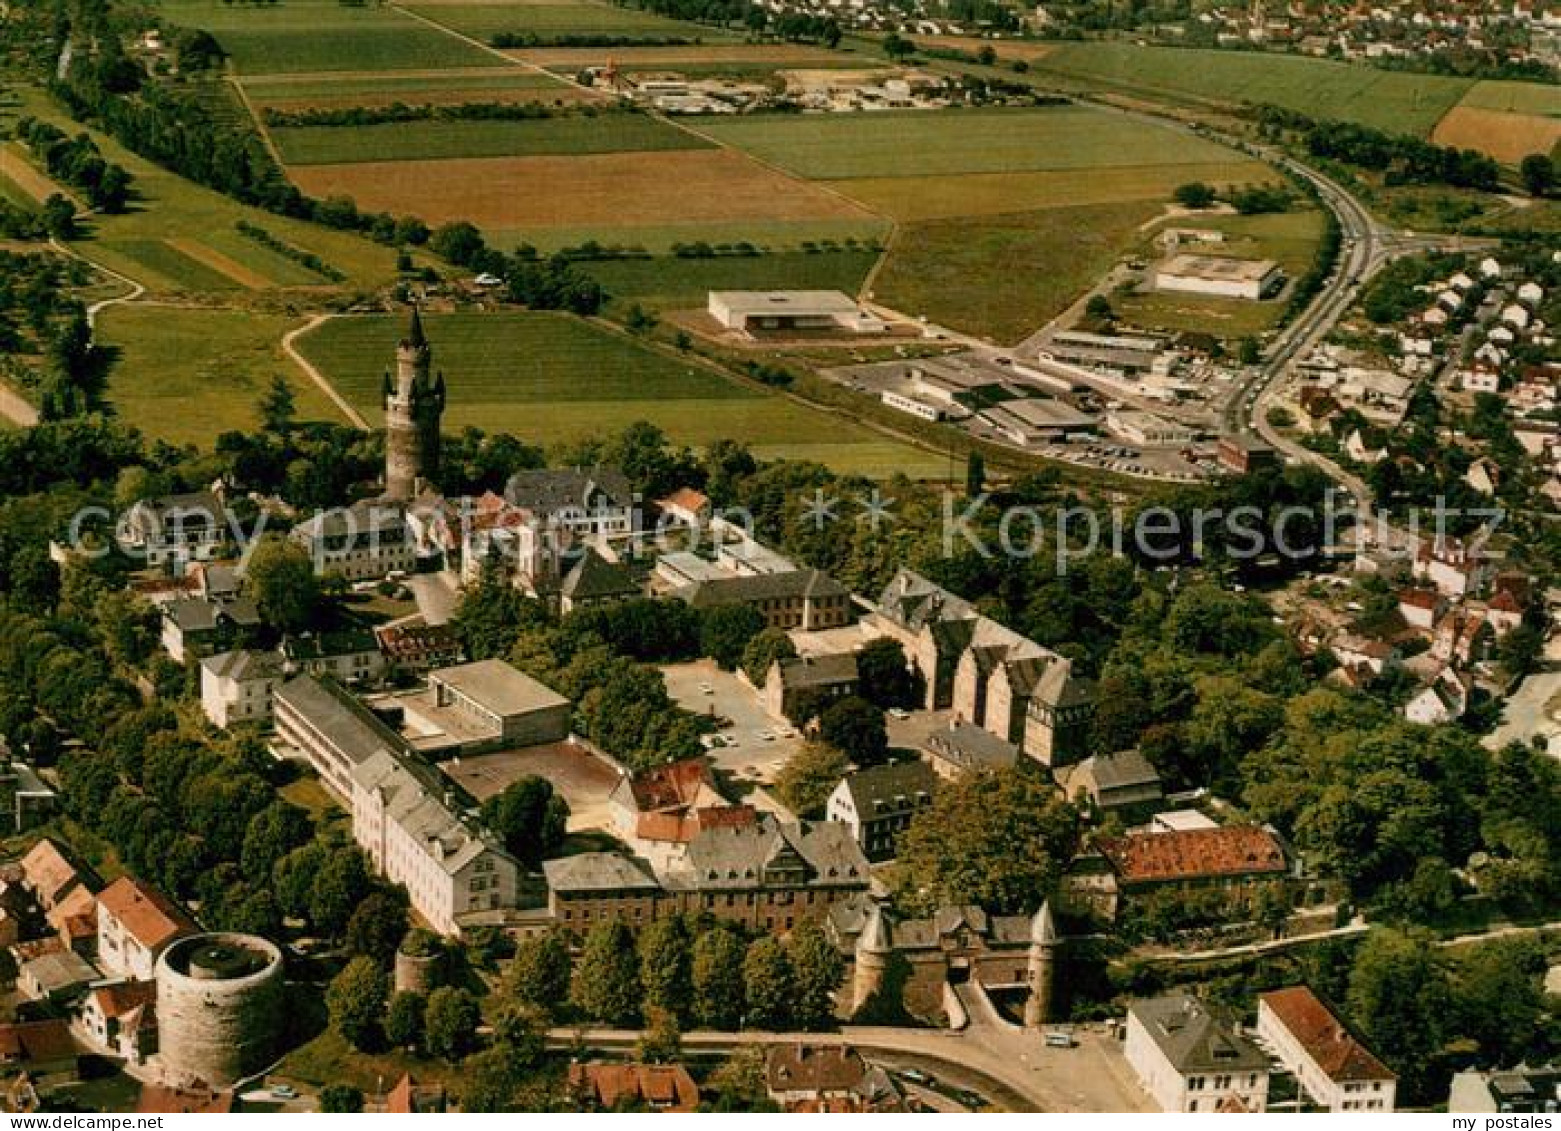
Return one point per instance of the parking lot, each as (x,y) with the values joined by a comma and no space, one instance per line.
(749,756)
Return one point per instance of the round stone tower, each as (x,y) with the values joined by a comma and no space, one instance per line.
(1039,1007)
(420,963)
(414,404)
(874,948)
(219,1008)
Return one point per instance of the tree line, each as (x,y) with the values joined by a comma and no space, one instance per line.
(1401,158)
(79,163)
(429,111)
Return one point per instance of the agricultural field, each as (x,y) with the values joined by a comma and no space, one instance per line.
(959,142)
(1396,101)
(1507,120)
(667,283)
(1288,238)
(186,375)
(555,20)
(20,181)
(704,59)
(434,139)
(438,87)
(614,195)
(553,379)
(1003,277)
(303,36)
(179,237)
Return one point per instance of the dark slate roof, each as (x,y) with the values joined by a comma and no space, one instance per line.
(970,747)
(887,790)
(550,490)
(594,577)
(197,614)
(1194,1039)
(361,518)
(149,516)
(805,583)
(1122,769)
(345,722)
(818,671)
(244,664)
(809,853)
(597,871)
(911,600)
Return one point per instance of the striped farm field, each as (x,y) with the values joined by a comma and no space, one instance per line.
(175,268)
(690,59)
(554,20)
(990,194)
(439,88)
(959,142)
(1507,137)
(303,36)
(668,283)
(29,182)
(433,139)
(1397,101)
(552,378)
(612,190)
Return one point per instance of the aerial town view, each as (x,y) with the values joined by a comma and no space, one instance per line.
(755,556)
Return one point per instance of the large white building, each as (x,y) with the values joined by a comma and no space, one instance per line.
(415,823)
(772,311)
(1220,276)
(1328,1061)
(360,542)
(1191,1060)
(236,687)
(174,530)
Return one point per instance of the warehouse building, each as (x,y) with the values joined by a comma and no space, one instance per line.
(771,311)
(1220,276)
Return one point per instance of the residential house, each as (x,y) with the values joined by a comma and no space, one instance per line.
(657,812)
(633,1087)
(593,580)
(45,1050)
(174,530)
(237,686)
(1122,782)
(1191,1059)
(344,651)
(159,1099)
(58,976)
(136,923)
(50,875)
(122,1019)
(590,503)
(196,627)
(799,687)
(366,540)
(687,506)
(827,1078)
(1420,608)
(74,921)
(878,803)
(416,648)
(1330,1063)
(1443,699)
(409,1097)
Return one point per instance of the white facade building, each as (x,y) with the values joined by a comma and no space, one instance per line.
(1190,1060)
(236,687)
(1331,1065)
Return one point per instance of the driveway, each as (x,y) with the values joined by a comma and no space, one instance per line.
(437,595)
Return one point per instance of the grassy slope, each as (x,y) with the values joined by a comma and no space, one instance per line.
(412,141)
(550,378)
(186,375)
(171,207)
(1402,102)
(1516,98)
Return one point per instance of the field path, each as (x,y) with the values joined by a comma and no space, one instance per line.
(291,350)
(494,51)
(231,77)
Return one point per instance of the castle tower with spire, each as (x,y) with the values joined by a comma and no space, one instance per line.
(874,949)
(414,404)
(1040,1006)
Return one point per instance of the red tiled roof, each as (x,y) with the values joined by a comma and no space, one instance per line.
(79,904)
(1418,598)
(1324,1037)
(158,1100)
(668,1087)
(48,872)
(409,1097)
(1235,850)
(149,916)
(1505,602)
(32,1041)
(687,498)
(683,829)
(117,1001)
(673,786)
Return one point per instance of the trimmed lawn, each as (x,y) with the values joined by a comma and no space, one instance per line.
(421,140)
(186,375)
(681,284)
(323,35)
(551,378)
(1003,277)
(941,143)
(1397,101)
